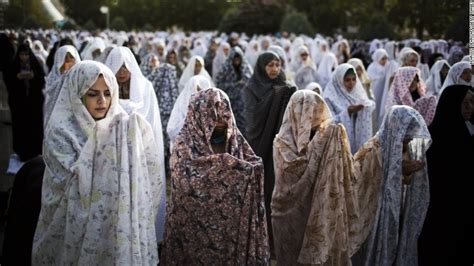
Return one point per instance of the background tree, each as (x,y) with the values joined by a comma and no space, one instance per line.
(296,23)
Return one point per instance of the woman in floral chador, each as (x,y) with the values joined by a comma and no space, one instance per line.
(101,188)
(216,211)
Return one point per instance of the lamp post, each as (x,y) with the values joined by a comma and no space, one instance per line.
(105,10)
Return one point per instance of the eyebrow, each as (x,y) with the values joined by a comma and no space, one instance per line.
(97,90)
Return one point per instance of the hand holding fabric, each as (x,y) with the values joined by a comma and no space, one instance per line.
(354,108)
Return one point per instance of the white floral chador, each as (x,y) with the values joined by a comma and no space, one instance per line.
(101,186)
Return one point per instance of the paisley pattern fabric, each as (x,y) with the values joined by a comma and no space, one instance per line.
(399,209)
(165,83)
(180,108)
(399,94)
(101,186)
(314,209)
(216,211)
(232,81)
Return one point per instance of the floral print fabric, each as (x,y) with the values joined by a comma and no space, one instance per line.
(232,81)
(399,210)
(101,186)
(399,93)
(55,78)
(216,211)
(358,125)
(314,211)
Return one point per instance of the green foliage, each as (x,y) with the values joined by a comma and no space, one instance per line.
(376,27)
(297,23)
(26,14)
(118,23)
(228,23)
(148,27)
(373,18)
(253,17)
(459,28)
(90,25)
(31,22)
(69,25)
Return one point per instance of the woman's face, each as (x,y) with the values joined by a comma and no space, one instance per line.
(154,62)
(412,60)
(273,69)
(172,58)
(383,60)
(236,61)
(197,67)
(414,84)
(97,99)
(304,56)
(359,71)
(466,75)
(444,70)
(160,50)
(96,53)
(24,56)
(467,106)
(69,61)
(226,51)
(123,75)
(350,81)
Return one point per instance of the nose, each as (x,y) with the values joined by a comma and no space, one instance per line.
(101,99)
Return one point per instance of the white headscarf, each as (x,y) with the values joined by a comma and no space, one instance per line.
(188,72)
(180,109)
(359,128)
(356,62)
(376,70)
(143,101)
(433,84)
(219,59)
(391,50)
(454,75)
(94,44)
(54,79)
(252,53)
(101,185)
(325,68)
(319,56)
(374,45)
(314,86)
(38,49)
(199,48)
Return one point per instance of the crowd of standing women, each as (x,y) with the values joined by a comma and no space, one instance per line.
(277,148)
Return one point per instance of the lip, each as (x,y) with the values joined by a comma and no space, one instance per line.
(100,109)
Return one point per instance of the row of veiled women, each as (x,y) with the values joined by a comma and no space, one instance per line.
(103,188)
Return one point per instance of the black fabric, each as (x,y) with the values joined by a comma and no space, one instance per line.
(23,213)
(447,233)
(7,52)
(415,95)
(265,103)
(25,99)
